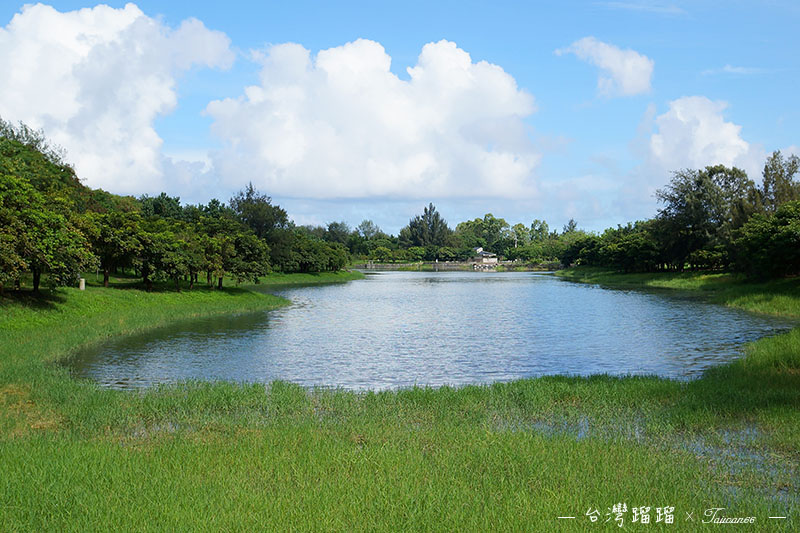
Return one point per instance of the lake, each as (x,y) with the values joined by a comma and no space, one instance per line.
(398,329)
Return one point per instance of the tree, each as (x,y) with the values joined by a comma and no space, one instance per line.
(368,229)
(416,253)
(216,209)
(35,140)
(445,253)
(539,230)
(630,248)
(255,210)
(570,227)
(114,238)
(228,247)
(426,229)
(779,185)
(37,236)
(312,255)
(38,193)
(156,243)
(740,197)
(530,253)
(162,205)
(491,233)
(769,245)
(521,235)
(250,259)
(381,254)
(14,195)
(694,210)
(470,235)
(337,232)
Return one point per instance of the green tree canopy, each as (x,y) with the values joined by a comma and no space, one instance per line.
(162,205)
(769,244)
(427,229)
(491,233)
(114,238)
(256,211)
(779,184)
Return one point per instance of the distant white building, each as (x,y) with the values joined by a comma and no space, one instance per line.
(485,258)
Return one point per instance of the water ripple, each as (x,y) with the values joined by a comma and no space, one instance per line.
(398,329)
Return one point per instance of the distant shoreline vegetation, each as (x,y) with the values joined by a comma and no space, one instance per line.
(52,228)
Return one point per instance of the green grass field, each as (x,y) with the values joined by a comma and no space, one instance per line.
(512,456)
(777,297)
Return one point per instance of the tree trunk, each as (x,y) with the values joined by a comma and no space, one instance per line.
(105,276)
(191,281)
(219,282)
(37,278)
(178,283)
(209,281)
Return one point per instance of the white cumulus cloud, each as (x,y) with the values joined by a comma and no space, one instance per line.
(693,133)
(341,125)
(95,80)
(622,72)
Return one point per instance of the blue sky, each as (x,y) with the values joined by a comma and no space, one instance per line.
(561,110)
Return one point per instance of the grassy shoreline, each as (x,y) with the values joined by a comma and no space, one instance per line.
(507,456)
(314,278)
(776,297)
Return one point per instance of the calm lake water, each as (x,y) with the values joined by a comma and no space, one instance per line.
(397,329)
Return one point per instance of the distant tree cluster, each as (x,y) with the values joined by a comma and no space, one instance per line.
(428,237)
(53,228)
(714,218)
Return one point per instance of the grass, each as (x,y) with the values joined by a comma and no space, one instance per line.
(508,456)
(313,278)
(776,297)
(275,278)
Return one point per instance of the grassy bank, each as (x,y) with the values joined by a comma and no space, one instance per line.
(509,456)
(776,297)
(275,278)
(314,278)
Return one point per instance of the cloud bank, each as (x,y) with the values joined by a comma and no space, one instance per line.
(96,79)
(341,125)
(622,72)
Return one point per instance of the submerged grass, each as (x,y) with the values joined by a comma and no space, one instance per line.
(507,456)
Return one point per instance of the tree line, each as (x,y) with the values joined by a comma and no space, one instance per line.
(428,237)
(715,218)
(52,228)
